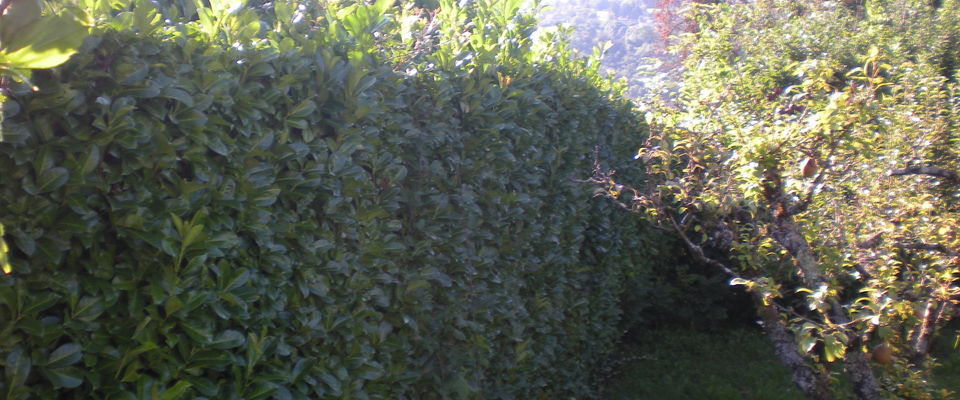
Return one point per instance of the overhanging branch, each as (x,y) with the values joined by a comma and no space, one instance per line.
(938,172)
(928,247)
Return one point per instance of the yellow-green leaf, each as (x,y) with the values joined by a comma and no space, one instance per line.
(46,43)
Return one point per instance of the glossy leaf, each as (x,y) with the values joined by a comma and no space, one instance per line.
(65,355)
(45,43)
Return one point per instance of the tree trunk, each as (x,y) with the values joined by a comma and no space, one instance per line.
(921,337)
(788,235)
(864,383)
(812,384)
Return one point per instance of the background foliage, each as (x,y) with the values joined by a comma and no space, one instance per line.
(810,151)
(317,200)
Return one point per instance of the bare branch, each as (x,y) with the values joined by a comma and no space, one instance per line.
(944,173)
(928,247)
(817,181)
(863,271)
(872,242)
(923,333)
(697,251)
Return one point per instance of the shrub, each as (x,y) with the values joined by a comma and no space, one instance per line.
(371,201)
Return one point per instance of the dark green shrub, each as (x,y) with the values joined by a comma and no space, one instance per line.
(286,213)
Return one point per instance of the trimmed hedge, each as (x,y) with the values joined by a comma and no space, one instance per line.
(294,220)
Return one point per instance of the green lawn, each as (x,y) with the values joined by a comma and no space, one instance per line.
(689,365)
(947,350)
(736,364)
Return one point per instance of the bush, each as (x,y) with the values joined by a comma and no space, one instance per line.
(239,205)
(810,154)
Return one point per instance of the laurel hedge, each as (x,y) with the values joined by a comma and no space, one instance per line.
(295,220)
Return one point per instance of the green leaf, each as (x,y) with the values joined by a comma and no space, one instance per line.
(197,333)
(46,43)
(177,222)
(177,391)
(69,378)
(92,159)
(240,279)
(123,395)
(217,146)
(17,15)
(65,355)
(17,367)
(267,197)
(332,382)
(25,243)
(195,263)
(129,74)
(145,17)
(204,386)
(178,95)
(189,118)
(143,348)
(415,285)
(210,359)
(439,277)
(365,83)
(281,393)
(88,309)
(260,391)
(302,110)
(52,179)
(807,343)
(40,303)
(833,348)
(228,339)
(460,386)
(195,233)
(172,305)
(169,246)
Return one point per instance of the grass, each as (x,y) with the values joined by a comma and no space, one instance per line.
(947,351)
(736,364)
(681,364)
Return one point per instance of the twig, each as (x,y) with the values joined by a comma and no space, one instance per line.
(944,173)
(929,247)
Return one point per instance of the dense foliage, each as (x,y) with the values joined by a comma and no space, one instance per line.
(317,200)
(31,40)
(811,152)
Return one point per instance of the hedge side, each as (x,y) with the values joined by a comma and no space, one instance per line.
(190,220)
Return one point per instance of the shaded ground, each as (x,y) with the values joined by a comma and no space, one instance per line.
(947,350)
(676,364)
(737,364)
